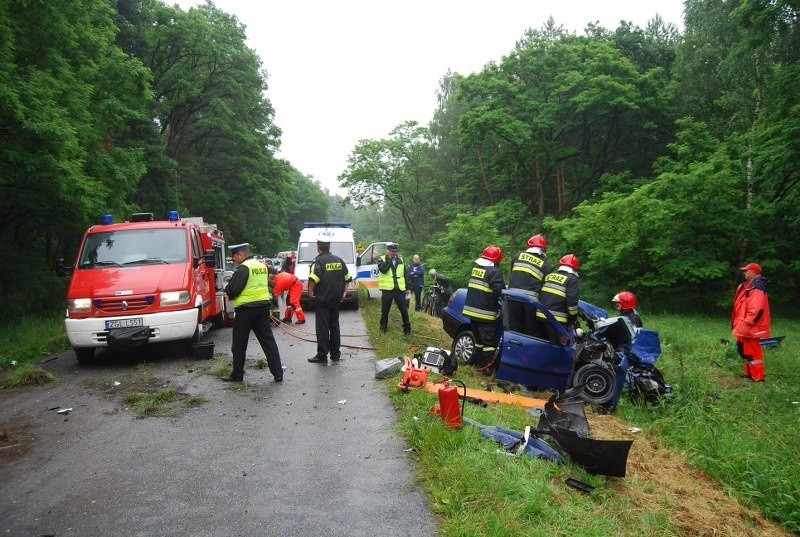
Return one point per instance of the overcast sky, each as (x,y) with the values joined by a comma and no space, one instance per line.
(342,71)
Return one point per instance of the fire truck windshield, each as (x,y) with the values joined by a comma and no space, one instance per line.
(134,247)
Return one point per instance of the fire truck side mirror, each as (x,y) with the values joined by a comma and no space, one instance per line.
(210,259)
(62,269)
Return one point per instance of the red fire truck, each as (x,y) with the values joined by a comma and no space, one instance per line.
(146,281)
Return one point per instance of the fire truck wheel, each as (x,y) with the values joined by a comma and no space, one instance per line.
(84,355)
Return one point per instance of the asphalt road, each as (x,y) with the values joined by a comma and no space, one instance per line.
(316,455)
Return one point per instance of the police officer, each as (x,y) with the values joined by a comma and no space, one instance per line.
(481,304)
(327,282)
(528,270)
(560,294)
(392,283)
(249,289)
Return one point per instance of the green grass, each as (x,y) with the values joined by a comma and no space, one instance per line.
(29,339)
(744,435)
(162,404)
(28,376)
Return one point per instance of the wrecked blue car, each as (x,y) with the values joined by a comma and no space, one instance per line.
(606,359)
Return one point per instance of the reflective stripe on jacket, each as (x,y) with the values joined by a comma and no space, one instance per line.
(257,287)
(483,292)
(527,273)
(560,294)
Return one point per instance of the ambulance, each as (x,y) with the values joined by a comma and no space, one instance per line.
(368,267)
(343,244)
(145,281)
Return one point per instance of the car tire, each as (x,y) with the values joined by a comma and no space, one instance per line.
(598,384)
(84,355)
(464,348)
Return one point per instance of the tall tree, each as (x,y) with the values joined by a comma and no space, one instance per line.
(213,118)
(68,96)
(393,171)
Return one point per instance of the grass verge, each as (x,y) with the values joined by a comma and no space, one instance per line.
(29,339)
(161,404)
(736,433)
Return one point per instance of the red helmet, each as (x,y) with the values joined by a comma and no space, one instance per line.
(493,253)
(537,240)
(571,261)
(626,299)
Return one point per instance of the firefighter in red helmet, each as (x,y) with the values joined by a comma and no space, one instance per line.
(560,294)
(481,303)
(751,321)
(527,276)
(625,302)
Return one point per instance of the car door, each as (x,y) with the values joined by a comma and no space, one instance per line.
(535,360)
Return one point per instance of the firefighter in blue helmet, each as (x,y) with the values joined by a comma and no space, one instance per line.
(481,304)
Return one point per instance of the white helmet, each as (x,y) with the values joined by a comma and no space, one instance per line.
(432,272)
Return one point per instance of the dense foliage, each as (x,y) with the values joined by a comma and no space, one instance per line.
(665,162)
(124,106)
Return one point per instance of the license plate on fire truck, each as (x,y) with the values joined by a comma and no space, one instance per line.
(124,323)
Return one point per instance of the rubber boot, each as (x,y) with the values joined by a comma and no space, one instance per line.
(407,330)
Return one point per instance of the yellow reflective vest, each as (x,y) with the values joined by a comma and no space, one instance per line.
(386,280)
(257,287)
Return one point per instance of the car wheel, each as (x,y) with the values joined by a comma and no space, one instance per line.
(464,348)
(598,384)
(84,355)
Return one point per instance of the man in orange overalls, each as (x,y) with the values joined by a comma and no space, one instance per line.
(751,321)
(286,281)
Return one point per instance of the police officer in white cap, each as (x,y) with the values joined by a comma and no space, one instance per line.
(249,290)
(327,287)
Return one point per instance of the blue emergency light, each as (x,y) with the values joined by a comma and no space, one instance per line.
(172,216)
(107,219)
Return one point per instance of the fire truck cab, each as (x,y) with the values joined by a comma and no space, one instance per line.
(146,281)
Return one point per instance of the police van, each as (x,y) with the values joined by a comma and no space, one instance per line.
(343,244)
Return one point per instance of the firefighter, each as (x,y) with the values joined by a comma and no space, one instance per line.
(286,281)
(527,276)
(625,302)
(481,304)
(249,289)
(751,321)
(560,294)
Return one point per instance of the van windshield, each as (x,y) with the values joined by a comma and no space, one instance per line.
(308,251)
(134,246)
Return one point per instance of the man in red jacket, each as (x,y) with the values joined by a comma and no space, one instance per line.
(286,281)
(751,321)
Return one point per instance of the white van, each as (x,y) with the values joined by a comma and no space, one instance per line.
(368,267)
(343,244)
